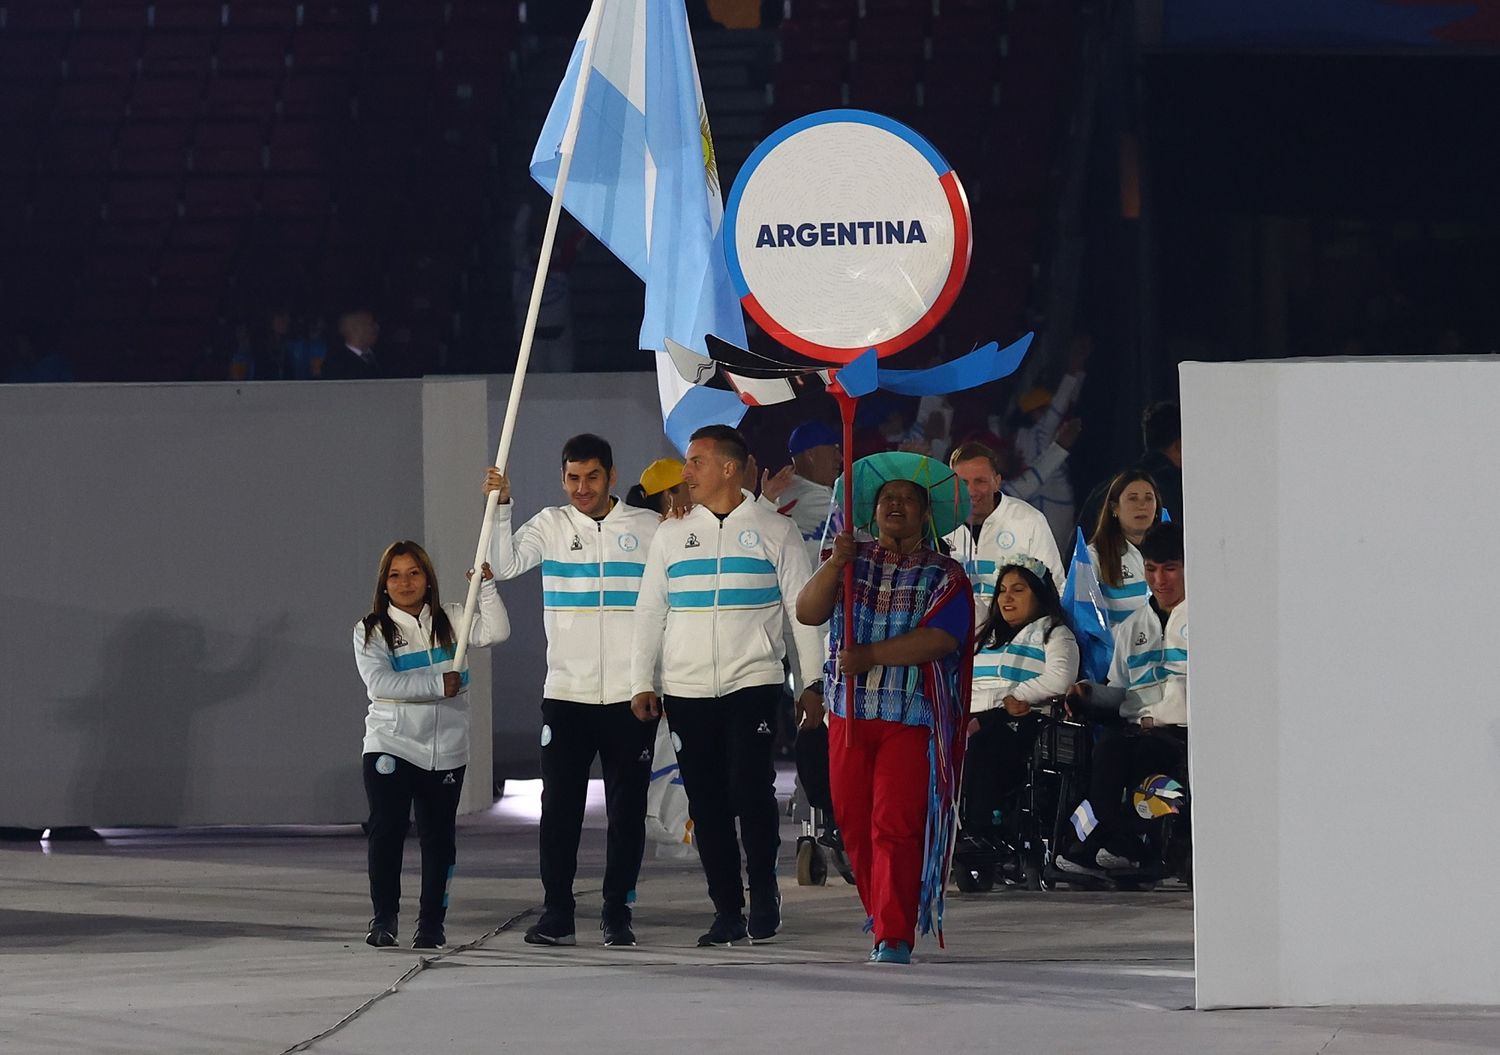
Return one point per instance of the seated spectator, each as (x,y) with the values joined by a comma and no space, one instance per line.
(355,359)
(1128,512)
(1148,688)
(1024,654)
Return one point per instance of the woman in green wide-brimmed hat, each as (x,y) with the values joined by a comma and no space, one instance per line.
(898,691)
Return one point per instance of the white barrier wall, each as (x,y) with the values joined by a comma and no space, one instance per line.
(186,563)
(1345,750)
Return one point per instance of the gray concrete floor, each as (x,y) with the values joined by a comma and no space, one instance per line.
(251,941)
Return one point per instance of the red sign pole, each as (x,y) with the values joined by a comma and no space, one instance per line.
(847,404)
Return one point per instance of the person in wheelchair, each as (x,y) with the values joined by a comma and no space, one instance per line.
(1024,654)
(1144,709)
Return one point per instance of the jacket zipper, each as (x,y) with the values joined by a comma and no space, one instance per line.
(600,526)
(718,575)
(437,712)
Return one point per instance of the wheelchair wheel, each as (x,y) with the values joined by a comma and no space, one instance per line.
(1032,868)
(812,870)
(975,878)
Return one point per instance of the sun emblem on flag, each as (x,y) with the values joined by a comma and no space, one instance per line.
(710,161)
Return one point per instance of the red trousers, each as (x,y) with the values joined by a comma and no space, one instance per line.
(880,785)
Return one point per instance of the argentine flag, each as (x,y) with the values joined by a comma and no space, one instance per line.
(1083,603)
(644,182)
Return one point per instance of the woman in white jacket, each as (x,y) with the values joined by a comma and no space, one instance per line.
(416,731)
(1130,508)
(1024,654)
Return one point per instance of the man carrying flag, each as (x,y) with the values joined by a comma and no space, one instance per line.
(633,159)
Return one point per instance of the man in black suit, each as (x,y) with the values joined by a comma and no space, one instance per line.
(355,359)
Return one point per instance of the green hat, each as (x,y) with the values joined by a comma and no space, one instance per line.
(948,496)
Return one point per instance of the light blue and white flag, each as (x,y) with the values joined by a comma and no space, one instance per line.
(644,181)
(1083,603)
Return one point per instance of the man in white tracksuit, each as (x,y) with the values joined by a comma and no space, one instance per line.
(592,554)
(1000,527)
(804,491)
(719,584)
(1148,687)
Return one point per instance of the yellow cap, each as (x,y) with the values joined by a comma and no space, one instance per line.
(660,475)
(1036,399)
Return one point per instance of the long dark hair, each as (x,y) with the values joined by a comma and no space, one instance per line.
(1109,537)
(996,631)
(380,612)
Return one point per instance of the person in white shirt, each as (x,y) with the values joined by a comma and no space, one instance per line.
(1048,412)
(719,583)
(592,554)
(804,489)
(416,744)
(1148,688)
(1024,654)
(1129,509)
(1000,527)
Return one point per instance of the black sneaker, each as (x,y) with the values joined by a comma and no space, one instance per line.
(615,923)
(429,938)
(554,928)
(728,928)
(765,915)
(382,933)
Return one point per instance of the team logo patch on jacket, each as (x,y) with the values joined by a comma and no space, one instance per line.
(1007,540)
(749,539)
(577,543)
(692,541)
(629,543)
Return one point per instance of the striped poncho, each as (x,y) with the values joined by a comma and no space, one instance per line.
(894,594)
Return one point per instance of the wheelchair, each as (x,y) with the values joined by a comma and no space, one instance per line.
(1036,818)
(1016,851)
(1160,818)
(820,843)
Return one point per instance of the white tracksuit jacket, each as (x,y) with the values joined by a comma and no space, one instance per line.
(714,600)
(1013,529)
(591,574)
(1026,667)
(810,505)
(409,716)
(1148,676)
(1132,593)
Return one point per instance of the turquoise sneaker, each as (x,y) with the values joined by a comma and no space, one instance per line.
(892,952)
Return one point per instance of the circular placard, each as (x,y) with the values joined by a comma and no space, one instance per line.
(845,231)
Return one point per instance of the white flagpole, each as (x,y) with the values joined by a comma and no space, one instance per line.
(507,431)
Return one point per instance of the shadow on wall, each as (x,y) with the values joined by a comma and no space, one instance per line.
(140,743)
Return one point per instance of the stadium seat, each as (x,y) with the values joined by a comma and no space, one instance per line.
(326,49)
(72,149)
(252,52)
(170,99)
(172,53)
(110,15)
(229,147)
(219,197)
(302,146)
(101,56)
(892,36)
(147,147)
(141,201)
(89,102)
(185,14)
(261,14)
(241,98)
(316,97)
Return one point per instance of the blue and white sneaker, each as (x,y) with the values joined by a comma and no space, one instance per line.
(891,952)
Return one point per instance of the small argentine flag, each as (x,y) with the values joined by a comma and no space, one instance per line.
(1083,602)
(644,181)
